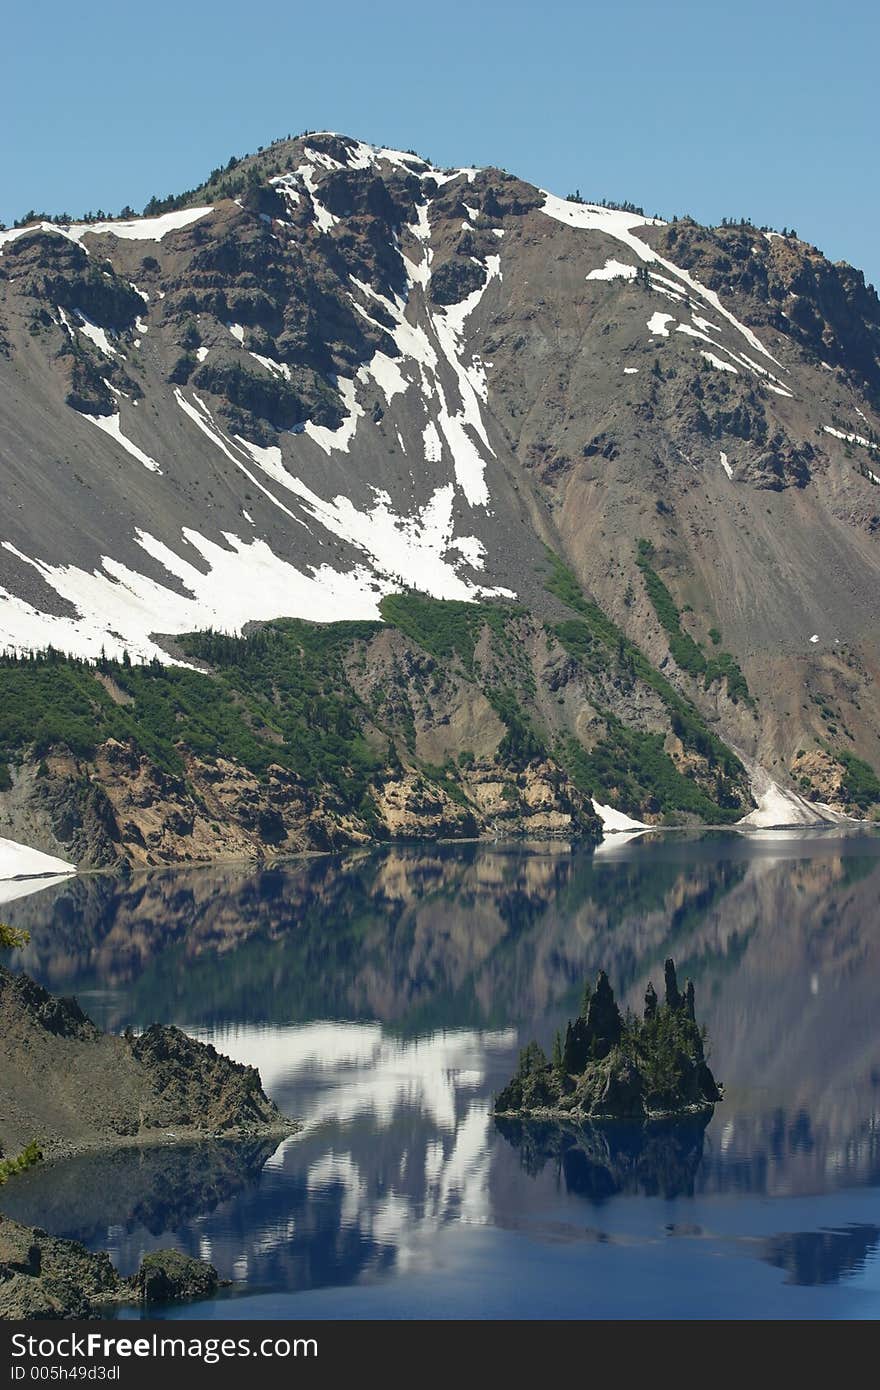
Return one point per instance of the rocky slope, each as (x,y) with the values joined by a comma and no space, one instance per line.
(68,1086)
(45,1277)
(448,720)
(335,373)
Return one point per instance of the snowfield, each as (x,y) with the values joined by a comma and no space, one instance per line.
(21,862)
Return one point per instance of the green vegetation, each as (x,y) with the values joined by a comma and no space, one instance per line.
(289,695)
(12,937)
(608,1066)
(861,785)
(632,768)
(26,1159)
(627,763)
(686,653)
(280,696)
(445,628)
(521,742)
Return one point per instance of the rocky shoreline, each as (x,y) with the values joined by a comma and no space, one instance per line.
(46,1277)
(68,1088)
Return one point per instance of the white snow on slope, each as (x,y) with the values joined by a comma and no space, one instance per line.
(95,334)
(621,226)
(240,581)
(778,808)
(855,439)
(20,861)
(851,438)
(613,270)
(463,427)
(237,581)
(112,425)
(276,368)
(433,446)
(470,466)
(397,547)
(725,464)
(718,362)
(140,229)
(144,228)
(325,220)
(341,437)
(657,324)
(613,820)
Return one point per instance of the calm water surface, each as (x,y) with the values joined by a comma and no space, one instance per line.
(384,998)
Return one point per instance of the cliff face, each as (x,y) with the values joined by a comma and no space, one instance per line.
(335,373)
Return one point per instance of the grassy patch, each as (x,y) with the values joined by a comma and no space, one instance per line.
(622,655)
(686,653)
(861,784)
(26,1159)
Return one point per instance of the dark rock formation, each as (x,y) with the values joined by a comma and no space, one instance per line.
(166,1276)
(43,1276)
(613,1068)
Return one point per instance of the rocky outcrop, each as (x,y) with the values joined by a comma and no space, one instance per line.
(68,1086)
(610,1068)
(167,1276)
(46,1277)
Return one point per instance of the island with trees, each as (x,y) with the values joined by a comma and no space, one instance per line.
(610,1066)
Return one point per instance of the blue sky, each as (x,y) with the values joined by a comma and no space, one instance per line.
(767,109)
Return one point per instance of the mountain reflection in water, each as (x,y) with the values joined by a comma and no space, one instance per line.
(384,998)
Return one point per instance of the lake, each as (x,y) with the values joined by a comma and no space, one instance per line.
(384,997)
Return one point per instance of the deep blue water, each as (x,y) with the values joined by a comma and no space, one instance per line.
(384,998)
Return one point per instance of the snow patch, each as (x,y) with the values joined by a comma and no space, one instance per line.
(719,362)
(95,334)
(725,464)
(779,808)
(139,229)
(613,270)
(276,368)
(341,437)
(621,226)
(657,324)
(20,861)
(613,821)
(112,425)
(433,445)
(851,438)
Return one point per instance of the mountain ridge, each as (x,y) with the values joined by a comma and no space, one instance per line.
(347,374)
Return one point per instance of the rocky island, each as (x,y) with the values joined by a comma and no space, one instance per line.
(615,1067)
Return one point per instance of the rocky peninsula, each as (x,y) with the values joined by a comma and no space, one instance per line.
(67,1087)
(607,1066)
(70,1087)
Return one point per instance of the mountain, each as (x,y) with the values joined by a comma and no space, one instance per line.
(334,378)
